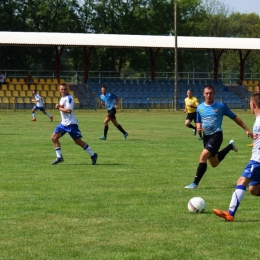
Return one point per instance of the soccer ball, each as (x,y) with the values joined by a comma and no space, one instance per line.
(196,205)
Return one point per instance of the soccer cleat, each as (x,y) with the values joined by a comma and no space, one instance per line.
(201,138)
(125,135)
(192,186)
(224,214)
(235,148)
(33,120)
(51,118)
(102,137)
(94,158)
(194,132)
(250,145)
(58,160)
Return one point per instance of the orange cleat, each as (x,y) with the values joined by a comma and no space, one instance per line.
(34,119)
(51,118)
(224,214)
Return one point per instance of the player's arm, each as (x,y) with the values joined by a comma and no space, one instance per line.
(62,109)
(185,107)
(241,124)
(35,100)
(198,122)
(116,102)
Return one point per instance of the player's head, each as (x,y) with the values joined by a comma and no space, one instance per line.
(104,90)
(64,89)
(34,91)
(209,94)
(258,88)
(189,92)
(255,102)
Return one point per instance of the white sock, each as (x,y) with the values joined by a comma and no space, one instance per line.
(47,114)
(88,150)
(33,115)
(237,197)
(58,152)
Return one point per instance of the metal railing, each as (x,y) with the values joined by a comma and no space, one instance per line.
(75,77)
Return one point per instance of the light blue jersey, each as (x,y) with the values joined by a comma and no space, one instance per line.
(211,116)
(108,99)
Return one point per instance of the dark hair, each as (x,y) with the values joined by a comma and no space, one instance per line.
(64,85)
(209,87)
(104,87)
(190,90)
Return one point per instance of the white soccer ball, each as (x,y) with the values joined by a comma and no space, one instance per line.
(196,205)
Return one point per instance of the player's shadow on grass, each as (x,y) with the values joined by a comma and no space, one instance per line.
(9,134)
(221,187)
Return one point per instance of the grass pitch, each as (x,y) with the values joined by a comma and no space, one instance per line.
(132,204)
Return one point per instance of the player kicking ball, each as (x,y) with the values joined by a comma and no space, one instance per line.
(251,174)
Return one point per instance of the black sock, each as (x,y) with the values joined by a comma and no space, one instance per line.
(191,126)
(105,130)
(200,172)
(120,128)
(224,152)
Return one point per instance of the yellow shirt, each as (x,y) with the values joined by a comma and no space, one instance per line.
(191,102)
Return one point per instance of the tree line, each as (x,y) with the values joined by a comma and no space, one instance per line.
(137,17)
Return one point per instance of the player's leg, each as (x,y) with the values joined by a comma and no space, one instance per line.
(33,113)
(188,121)
(209,152)
(231,146)
(218,156)
(76,136)
(106,121)
(59,131)
(119,127)
(47,114)
(251,172)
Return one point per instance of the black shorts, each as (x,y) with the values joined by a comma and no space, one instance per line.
(191,116)
(213,142)
(111,113)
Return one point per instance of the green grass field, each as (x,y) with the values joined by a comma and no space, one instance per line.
(132,204)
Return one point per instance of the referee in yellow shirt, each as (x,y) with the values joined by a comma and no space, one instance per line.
(191,104)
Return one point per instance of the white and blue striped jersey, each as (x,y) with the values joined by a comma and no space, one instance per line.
(256,137)
(38,98)
(108,100)
(211,116)
(68,119)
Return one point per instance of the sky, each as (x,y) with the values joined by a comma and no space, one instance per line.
(243,6)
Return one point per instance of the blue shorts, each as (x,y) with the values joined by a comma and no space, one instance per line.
(252,171)
(73,130)
(39,108)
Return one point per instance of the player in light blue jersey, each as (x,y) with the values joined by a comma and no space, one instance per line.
(107,100)
(251,173)
(68,124)
(209,121)
(38,105)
